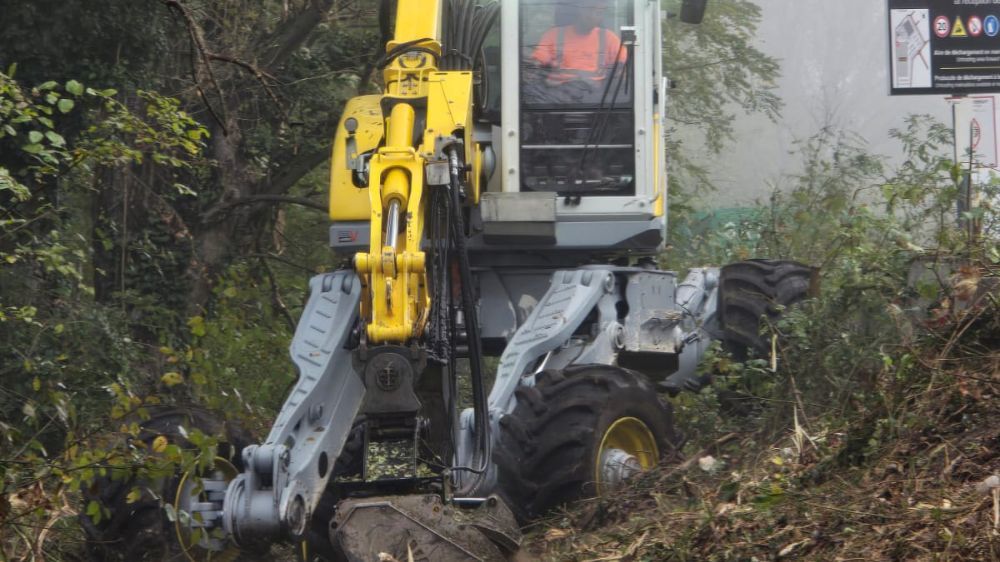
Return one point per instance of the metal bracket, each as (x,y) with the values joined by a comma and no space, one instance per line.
(351,148)
(390,375)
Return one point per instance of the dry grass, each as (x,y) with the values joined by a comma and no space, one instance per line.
(906,483)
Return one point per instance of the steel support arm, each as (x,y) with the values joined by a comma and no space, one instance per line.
(284,477)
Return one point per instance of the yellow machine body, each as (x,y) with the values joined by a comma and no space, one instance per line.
(348,202)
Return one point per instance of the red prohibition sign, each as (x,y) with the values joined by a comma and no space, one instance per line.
(942,26)
(975,26)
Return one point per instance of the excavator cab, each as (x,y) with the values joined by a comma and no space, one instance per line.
(568,131)
(581,165)
(577,92)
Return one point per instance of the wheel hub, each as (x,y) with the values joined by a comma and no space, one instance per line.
(627,448)
(199,509)
(618,466)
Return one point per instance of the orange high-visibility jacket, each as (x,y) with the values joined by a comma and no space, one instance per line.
(588,55)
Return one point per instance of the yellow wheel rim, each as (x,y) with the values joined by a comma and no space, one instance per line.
(627,441)
(190,547)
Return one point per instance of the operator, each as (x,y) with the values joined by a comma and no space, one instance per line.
(583,51)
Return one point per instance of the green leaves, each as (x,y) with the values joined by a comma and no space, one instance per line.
(162,133)
(55,138)
(718,68)
(94,511)
(74,88)
(197,326)
(173,378)
(134,495)
(184,190)
(66,352)
(160,444)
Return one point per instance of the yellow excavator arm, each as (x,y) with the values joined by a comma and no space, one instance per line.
(404,129)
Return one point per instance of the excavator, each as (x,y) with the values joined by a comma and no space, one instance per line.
(500,340)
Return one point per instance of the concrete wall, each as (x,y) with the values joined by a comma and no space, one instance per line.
(834,61)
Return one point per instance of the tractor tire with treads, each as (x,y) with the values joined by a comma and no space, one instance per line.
(550,446)
(139,530)
(754,292)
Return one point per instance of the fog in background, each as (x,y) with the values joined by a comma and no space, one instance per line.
(834,63)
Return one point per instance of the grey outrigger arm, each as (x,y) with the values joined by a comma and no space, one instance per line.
(285,476)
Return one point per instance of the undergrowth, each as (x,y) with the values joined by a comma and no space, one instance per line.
(878,433)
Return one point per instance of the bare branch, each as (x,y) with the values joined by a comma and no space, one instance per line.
(223,208)
(257,73)
(290,174)
(275,190)
(285,261)
(276,301)
(289,37)
(249,67)
(202,53)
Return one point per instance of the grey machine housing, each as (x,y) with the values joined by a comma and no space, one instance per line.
(578,319)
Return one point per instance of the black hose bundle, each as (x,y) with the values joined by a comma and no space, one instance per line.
(439,325)
(450,269)
(467,24)
(482,453)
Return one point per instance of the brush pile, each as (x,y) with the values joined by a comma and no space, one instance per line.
(904,465)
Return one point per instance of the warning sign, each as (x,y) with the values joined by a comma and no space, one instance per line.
(944,47)
(958,30)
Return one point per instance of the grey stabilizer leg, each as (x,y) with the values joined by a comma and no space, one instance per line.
(571,296)
(286,475)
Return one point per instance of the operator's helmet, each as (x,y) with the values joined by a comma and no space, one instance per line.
(589,11)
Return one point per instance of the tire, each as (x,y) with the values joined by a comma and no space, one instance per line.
(350,463)
(549,445)
(140,530)
(753,294)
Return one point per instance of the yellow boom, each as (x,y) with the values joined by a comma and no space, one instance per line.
(419,106)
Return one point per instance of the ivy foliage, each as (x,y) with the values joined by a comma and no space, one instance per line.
(70,405)
(135,270)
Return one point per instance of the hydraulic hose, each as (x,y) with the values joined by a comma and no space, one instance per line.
(479,403)
(468,25)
